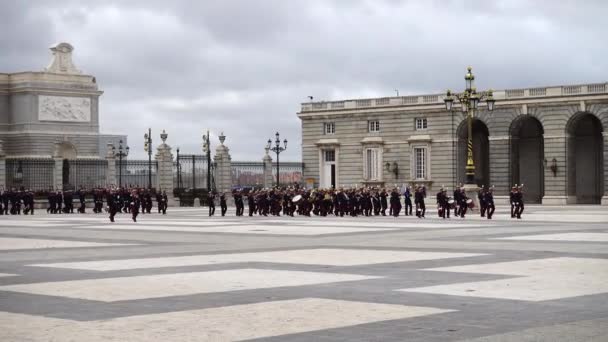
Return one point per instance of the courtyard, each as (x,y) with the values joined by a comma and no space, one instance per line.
(185,276)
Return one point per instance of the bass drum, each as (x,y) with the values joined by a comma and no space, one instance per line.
(452,203)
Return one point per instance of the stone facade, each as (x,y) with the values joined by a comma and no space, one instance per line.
(551,139)
(54,112)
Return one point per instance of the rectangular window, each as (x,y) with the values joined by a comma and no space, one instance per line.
(373,126)
(420,163)
(330,155)
(371,164)
(329,128)
(421,123)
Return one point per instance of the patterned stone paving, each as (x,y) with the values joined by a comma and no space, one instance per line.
(188,277)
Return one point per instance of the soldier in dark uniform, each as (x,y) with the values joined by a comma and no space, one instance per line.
(159,198)
(446,204)
(223,205)
(134,204)
(148,201)
(462,204)
(512,200)
(457,200)
(439,200)
(238,203)
(5,201)
(164,201)
(113,204)
(489,199)
(82,199)
(519,201)
(408,201)
(58,202)
(1,201)
(251,202)
(482,202)
(395,202)
(211,203)
(419,195)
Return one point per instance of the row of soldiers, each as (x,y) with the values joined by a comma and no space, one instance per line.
(15,201)
(360,202)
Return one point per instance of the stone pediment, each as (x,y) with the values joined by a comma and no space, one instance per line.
(372,141)
(327,142)
(419,138)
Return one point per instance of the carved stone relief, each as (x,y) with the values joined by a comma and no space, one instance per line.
(62,108)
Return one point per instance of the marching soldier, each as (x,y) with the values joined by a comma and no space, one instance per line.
(489,199)
(211,203)
(134,205)
(408,201)
(482,203)
(223,206)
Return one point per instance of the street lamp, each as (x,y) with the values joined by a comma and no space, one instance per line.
(122,153)
(469,102)
(207,150)
(148,148)
(277,149)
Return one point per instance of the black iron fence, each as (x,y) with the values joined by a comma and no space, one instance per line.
(134,173)
(84,173)
(247,174)
(33,174)
(190,172)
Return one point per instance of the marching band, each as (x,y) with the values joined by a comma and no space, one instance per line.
(290,201)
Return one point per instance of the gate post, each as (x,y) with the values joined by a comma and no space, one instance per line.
(58,169)
(223,167)
(164,169)
(2,167)
(268,179)
(111,167)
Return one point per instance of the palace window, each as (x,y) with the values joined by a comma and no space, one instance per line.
(372,164)
(329,128)
(373,126)
(420,167)
(421,124)
(330,155)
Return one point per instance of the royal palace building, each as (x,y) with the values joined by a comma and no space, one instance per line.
(551,139)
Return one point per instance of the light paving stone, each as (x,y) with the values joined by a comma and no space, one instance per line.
(540,279)
(7,275)
(244,229)
(320,256)
(592,237)
(230,323)
(7,243)
(179,284)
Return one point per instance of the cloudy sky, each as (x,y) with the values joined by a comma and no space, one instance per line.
(244,67)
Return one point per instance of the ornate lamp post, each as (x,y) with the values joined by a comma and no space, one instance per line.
(469,101)
(207,150)
(122,153)
(148,148)
(277,149)
(179,171)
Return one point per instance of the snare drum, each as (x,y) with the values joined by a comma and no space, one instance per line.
(452,203)
(470,203)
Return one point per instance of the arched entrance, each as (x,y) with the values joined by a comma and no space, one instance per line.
(585,158)
(481,152)
(527,156)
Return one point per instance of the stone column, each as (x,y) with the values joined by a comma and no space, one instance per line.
(111,168)
(223,167)
(2,167)
(268,178)
(605,197)
(556,192)
(164,176)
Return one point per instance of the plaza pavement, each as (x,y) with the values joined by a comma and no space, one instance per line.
(188,277)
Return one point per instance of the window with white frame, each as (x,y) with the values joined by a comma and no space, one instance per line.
(420,165)
(421,124)
(329,128)
(372,164)
(373,126)
(330,155)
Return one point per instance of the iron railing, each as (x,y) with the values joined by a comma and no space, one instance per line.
(83,173)
(134,173)
(190,172)
(33,174)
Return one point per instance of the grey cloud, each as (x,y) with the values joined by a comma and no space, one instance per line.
(243,67)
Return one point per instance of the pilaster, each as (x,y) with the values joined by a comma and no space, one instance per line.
(605,196)
(556,185)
